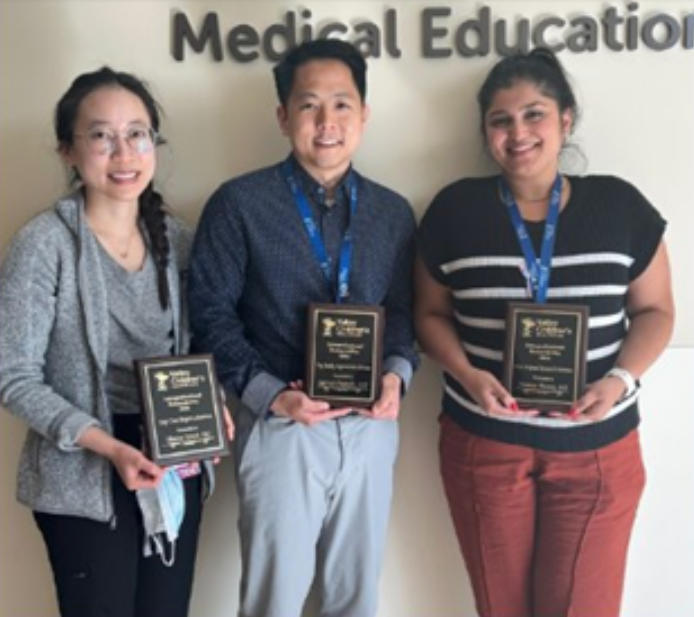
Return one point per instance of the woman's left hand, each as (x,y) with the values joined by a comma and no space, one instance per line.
(229,424)
(596,401)
(230,429)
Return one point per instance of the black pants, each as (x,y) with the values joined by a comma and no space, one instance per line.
(100,571)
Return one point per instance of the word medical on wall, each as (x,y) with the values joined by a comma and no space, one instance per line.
(441,34)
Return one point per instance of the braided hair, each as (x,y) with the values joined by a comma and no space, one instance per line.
(153,214)
(152,208)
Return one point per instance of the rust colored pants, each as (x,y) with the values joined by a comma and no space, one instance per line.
(543,534)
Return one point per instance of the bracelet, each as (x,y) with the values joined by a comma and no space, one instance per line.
(626,377)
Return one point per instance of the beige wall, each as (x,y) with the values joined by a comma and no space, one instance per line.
(637,123)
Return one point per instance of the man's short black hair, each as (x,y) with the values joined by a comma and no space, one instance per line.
(320,49)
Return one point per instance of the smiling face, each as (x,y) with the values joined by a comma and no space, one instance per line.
(119,176)
(324,119)
(525,131)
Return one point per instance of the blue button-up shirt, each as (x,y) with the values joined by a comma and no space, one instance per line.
(253,273)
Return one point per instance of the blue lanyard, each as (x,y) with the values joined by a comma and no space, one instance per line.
(538,272)
(345,265)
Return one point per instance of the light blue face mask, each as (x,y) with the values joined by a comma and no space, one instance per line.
(163,509)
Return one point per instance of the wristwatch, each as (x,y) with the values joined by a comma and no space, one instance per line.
(627,378)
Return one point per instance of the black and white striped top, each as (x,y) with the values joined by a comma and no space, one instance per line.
(607,235)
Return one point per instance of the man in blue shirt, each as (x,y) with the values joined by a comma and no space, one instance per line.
(314,482)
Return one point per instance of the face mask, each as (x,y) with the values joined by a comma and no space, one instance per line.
(162,510)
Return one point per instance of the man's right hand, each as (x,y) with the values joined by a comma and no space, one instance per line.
(296,405)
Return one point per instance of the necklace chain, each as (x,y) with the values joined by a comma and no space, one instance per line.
(122,252)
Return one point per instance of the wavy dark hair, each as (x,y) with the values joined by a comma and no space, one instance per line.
(151,203)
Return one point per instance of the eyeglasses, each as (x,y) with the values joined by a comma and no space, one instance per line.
(139,138)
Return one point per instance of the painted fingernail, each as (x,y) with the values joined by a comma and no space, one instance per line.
(513,405)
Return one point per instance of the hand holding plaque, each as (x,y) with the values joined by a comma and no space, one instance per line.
(344,354)
(183,412)
(545,355)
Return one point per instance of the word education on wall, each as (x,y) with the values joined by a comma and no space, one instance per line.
(442,34)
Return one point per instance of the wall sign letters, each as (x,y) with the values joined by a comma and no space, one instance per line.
(442,34)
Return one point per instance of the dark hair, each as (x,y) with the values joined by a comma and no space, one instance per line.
(152,207)
(320,49)
(539,67)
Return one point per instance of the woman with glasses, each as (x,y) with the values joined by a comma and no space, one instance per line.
(87,286)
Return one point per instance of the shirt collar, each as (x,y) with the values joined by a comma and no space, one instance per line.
(314,190)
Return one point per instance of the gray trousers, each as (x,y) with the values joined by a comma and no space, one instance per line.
(314,503)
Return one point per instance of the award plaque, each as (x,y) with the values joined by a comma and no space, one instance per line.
(183,411)
(344,354)
(545,356)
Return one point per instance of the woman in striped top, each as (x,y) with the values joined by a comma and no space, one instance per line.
(543,502)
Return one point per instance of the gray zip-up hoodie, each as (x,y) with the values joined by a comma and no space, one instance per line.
(54,350)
